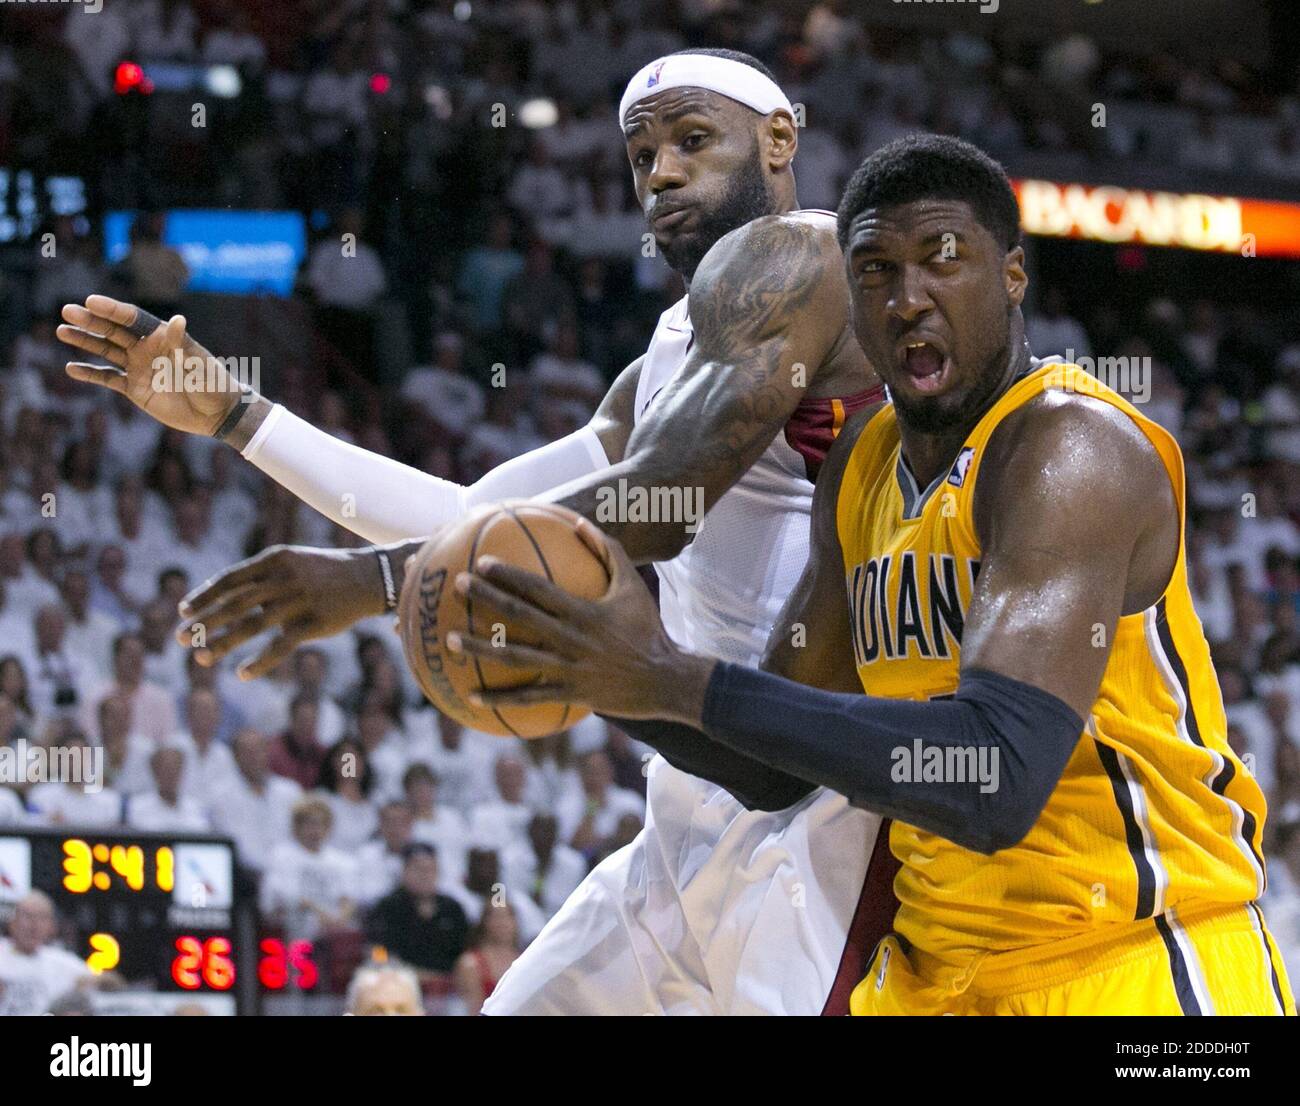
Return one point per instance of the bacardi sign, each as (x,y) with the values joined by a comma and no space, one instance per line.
(1109,213)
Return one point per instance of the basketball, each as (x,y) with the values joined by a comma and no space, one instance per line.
(537,537)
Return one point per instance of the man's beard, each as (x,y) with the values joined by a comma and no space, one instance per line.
(747,199)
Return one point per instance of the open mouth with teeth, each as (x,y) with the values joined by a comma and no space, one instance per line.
(926,366)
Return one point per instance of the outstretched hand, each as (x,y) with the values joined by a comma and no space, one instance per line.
(298,592)
(136,344)
(611,654)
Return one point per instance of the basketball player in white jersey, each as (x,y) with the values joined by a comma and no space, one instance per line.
(745,892)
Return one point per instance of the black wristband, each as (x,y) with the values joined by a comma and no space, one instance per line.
(390,584)
(232,419)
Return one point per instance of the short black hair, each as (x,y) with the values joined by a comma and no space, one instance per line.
(731,55)
(933,167)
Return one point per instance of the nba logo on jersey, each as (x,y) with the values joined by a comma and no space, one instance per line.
(653,79)
(958,475)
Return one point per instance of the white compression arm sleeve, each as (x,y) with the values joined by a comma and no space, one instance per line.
(385,501)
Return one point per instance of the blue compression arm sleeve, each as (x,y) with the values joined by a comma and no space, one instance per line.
(977,769)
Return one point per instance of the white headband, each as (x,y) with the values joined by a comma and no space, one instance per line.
(733,79)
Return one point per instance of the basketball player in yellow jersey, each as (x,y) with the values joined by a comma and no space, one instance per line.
(1041,717)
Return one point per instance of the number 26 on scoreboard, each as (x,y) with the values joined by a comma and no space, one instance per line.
(203,964)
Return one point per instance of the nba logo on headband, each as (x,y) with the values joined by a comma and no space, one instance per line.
(724,76)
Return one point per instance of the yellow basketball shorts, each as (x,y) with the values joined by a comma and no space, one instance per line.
(1211,960)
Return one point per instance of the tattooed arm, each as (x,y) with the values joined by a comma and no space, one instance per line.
(769,307)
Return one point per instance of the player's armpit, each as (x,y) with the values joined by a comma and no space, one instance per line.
(768,305)
(1078,525)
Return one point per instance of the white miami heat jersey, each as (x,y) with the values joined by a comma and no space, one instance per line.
(722,594)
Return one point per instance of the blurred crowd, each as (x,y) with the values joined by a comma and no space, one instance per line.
(363,817)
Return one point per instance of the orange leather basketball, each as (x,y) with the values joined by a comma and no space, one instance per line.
(540,538)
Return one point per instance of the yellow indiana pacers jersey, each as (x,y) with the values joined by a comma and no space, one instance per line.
(1154,810)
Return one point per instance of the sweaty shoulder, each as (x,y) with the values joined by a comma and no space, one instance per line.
(1088,457)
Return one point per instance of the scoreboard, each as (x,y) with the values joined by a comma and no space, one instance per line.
(166,912)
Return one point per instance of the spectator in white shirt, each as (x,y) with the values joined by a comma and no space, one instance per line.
(384,744)
(166,809)
(209,764)
(334,98)
(380,861)
(311,674)
(540,190)
(164,656)
(345,271)
(153,711)
(193,540)
(126,754)
(35,972)
(588,820)
(462,764)
(504,819)
(544,869)
(442,391)
(434,824)
(109,592)
(58,679)
(561,373)
(26,591)
(264,702)
(1269,527)
(347,278)
(89,633)
(484,886)
(81,800)
(254,808)
(130,435)
(347,782)
(230,718)
(83,505)
(310,887)
(142,536)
